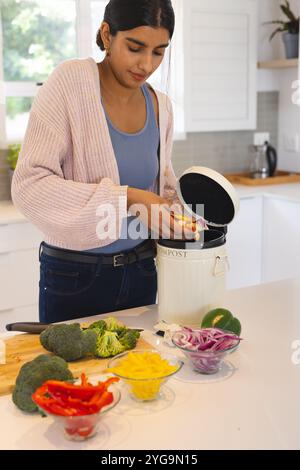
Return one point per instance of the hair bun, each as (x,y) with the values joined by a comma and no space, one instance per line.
(99,40)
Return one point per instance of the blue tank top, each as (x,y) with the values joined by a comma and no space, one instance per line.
(137,159)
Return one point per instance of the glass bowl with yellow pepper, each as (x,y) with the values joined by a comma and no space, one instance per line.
(144,372)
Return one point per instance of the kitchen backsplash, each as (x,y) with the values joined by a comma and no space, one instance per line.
(225,152)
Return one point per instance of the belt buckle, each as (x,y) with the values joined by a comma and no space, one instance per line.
(116,262)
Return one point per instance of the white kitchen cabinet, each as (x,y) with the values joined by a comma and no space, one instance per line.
(244,244)
(281,244)
(220,64)
(18,236)
(263,241)
(27,313)
(19,272)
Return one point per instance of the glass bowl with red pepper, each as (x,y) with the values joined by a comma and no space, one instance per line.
(77,408)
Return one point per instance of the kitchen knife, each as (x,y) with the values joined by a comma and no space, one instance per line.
(35,327)
(27,327)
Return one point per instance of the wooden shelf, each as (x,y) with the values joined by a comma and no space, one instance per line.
(279,64)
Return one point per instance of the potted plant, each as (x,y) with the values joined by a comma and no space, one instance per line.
(12,158)
(290,28)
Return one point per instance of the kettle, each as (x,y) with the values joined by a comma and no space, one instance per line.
(264,161)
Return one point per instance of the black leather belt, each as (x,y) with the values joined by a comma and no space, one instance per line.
(143,251)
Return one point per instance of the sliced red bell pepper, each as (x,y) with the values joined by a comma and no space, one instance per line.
(110,381)
(56,388)
(67,399)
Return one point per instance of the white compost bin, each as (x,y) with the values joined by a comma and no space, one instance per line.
(192,274)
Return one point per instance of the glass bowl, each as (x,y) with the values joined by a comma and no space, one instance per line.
(205,362)
(145,389)
(80,428)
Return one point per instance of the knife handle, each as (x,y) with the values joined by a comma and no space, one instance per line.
(27,327)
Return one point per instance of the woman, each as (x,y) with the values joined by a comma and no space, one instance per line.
(98,143)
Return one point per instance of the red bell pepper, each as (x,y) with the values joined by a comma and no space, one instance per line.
(65,399)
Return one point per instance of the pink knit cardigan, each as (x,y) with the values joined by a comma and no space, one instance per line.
(67,167)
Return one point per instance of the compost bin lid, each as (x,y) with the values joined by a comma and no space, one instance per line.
(203,189)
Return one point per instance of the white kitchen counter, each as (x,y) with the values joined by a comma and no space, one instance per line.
(253,404)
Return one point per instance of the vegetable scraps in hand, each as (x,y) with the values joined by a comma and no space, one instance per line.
(197,226)
(67,399)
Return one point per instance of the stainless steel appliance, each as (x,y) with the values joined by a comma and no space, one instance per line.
(263,161)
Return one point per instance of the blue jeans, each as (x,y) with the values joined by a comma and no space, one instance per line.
(70,290)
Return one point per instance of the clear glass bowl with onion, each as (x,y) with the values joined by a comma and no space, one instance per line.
(205,348)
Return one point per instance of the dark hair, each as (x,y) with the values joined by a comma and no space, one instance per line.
(123,15)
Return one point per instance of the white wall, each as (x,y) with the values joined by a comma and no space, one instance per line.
(279,80)
(268,10)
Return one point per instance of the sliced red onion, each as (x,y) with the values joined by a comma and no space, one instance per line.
(205,347)
(206,339)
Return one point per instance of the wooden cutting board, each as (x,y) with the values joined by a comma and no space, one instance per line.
(24,348)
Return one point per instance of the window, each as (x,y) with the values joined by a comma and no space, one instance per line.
(17,114)
(37,35)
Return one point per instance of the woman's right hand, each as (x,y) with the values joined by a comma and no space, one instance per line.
(155,213)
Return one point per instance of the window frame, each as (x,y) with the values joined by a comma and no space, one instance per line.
(83,28)
(2,93)
(84,45)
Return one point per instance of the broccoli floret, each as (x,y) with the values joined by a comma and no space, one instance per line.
(33,374)
(44,337)
(112,324)
(89,341)
(129,338)
(99,326)
(69,341)
(109,345)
